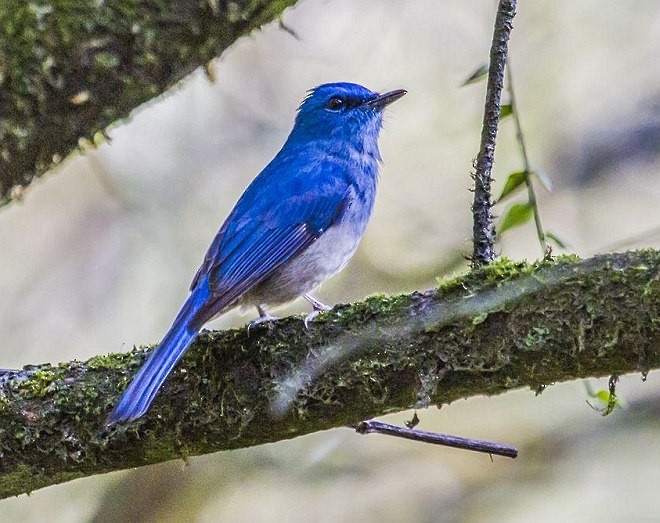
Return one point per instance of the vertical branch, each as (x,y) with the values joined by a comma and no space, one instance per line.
(483,230)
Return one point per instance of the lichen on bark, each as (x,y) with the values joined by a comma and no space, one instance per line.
(504,326)
(71,68)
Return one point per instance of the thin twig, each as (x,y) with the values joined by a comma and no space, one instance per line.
(483,230)
(531,195)
(435,438)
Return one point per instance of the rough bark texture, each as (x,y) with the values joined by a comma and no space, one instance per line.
(483,230)
(70,68)
(505,326)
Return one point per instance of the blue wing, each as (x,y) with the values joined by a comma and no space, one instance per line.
(272,222)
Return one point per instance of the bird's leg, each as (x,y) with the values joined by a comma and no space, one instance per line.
(263,317)
(318,308)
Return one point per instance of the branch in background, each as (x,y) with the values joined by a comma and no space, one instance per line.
(483,231)
(505,326)
(70,69)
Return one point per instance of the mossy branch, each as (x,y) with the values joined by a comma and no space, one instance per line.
(70,68)
(505,326)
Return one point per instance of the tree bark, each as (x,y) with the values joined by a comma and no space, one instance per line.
(483,230)
(505,326)
(69,69)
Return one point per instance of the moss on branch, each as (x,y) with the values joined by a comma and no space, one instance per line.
(70,68)
(504,326)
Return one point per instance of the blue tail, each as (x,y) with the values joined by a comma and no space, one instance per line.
(139,395)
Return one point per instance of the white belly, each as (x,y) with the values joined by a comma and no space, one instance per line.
(324,258)
(321,260)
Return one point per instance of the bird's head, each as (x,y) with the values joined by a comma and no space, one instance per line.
(342,112)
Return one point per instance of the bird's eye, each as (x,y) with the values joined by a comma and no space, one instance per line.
(335,103)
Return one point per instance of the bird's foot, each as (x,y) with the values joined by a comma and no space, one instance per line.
(264,317)
(319,307)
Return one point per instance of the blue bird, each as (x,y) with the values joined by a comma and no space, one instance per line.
(297,224)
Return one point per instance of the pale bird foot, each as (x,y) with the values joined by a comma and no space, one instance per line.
(318,308)
(264,317)
(310,317)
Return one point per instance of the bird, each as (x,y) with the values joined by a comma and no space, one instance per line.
(297,224)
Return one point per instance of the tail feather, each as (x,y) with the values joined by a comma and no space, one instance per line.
(141,392)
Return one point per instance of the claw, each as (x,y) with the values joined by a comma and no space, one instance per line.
(310,317)
(318,308)
(264,317)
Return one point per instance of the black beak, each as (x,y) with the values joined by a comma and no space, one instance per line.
(386,98)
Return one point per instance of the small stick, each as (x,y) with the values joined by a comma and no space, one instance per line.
(435,438)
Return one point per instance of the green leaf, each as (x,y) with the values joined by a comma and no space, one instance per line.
(555,239)
(477,76)
(513,182)
(518,214)
(608,399)
(603,395)
(610,402)
(506,110)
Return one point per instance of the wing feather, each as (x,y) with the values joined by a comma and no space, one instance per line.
(256,240)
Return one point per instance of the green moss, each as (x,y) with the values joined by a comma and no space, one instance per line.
(497,272)
(381,305)
(479,318)
(501,270)
(71,68)
(110,361)
(567,259)
(40,382)
(15,483)
(536,335)
(385,304)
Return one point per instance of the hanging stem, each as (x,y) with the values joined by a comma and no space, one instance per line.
(531,195)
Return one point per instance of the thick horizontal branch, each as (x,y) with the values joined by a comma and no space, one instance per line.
(69,69)
(504,326)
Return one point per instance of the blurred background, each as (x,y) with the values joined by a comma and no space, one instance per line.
(101,254)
